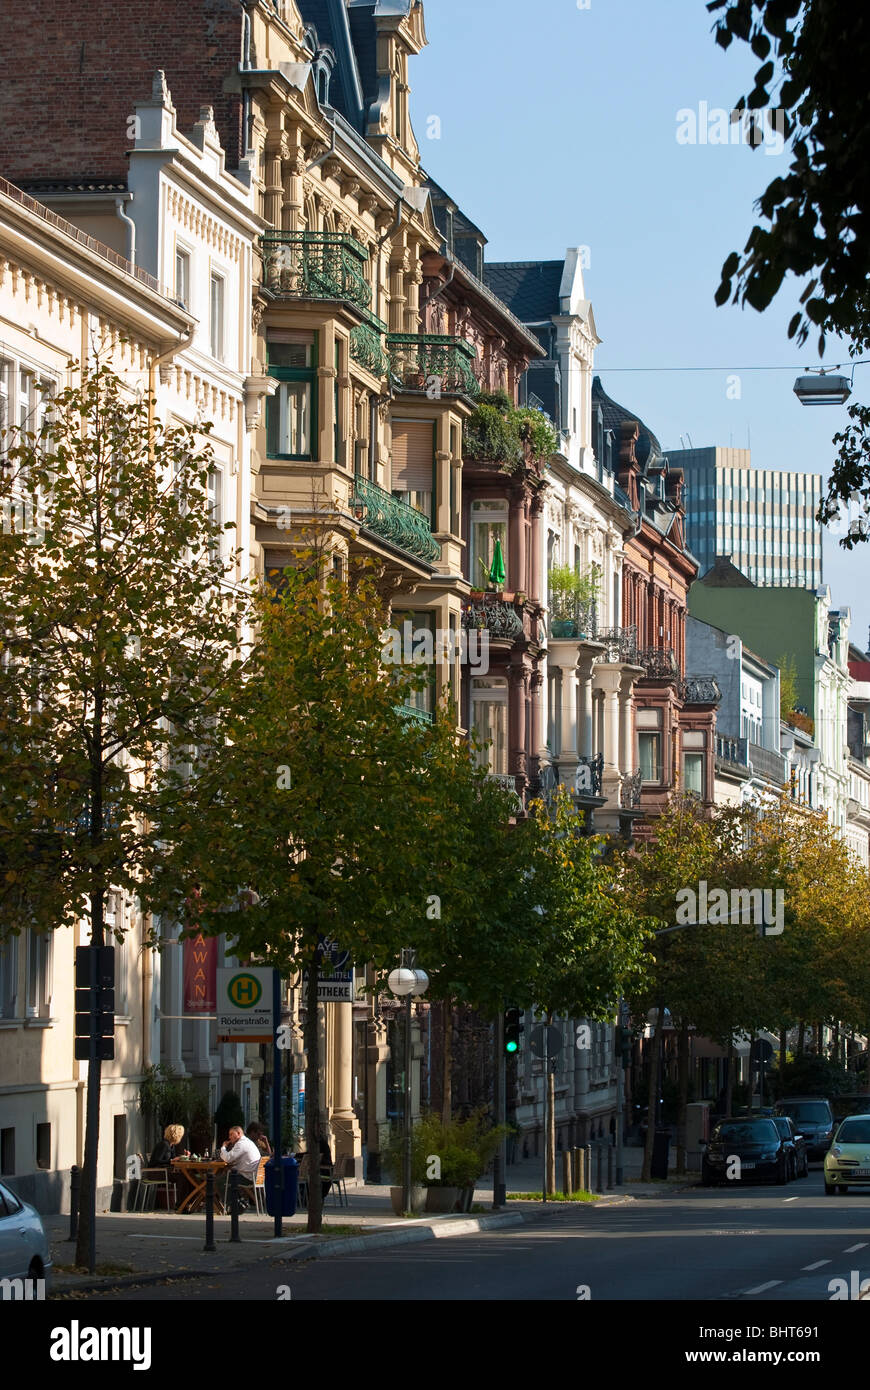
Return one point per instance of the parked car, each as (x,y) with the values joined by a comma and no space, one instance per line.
(850,1105)
(24,1249)
(758,1144)
(813,1118)
(847,1162)
(797,1145)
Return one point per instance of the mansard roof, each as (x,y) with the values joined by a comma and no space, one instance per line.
(648,450)
(529,288)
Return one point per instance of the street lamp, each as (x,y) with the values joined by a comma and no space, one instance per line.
(406,982)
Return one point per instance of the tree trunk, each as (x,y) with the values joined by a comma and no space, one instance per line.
(311,1035)
(652,1091)
(551,1130)
(447,1061)
(85,1240)
(683,1082)
(729,1079)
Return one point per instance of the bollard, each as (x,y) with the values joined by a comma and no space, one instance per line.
(587,1150)
(209,1212)
(235,1238)
(609,1167)
(75,1187)
(566,1171)
(599,1166)
(580,1170)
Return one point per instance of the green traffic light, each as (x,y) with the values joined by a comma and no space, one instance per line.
(511,1047)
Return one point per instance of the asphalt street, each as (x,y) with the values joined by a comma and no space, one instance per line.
(751,1243)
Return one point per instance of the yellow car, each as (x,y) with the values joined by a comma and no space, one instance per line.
(847,1162)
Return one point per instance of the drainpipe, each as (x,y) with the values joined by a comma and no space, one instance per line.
(130,225)
(246,95)
(183,342)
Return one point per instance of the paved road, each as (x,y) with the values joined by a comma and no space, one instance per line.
(750,1243)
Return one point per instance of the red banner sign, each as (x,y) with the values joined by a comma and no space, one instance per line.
(200,964)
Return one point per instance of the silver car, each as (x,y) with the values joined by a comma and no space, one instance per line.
(25,1254)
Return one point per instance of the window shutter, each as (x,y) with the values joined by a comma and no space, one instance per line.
(413,456)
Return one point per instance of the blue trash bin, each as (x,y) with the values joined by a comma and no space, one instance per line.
(291,1183)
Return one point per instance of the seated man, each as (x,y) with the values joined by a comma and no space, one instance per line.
(242,1156)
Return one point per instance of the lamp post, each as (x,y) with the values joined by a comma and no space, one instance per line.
(405,983)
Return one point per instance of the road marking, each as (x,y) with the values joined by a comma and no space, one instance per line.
(818,1264)
(852,1248)
(762,1288)
(789,1199)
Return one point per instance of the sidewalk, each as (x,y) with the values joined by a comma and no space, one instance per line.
(155,1247)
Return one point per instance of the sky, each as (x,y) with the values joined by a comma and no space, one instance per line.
(557,126)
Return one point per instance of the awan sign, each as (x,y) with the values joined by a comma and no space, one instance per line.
(200,966)
(244,1005)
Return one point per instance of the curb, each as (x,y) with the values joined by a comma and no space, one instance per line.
(313,1251)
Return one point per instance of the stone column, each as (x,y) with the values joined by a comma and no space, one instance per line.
(585,730)
(536,742)
(535,580)
(326,375)
(173,995)
(517,680)
(443,465)
(516,557)
(274,194)
(608,680)
(626,749)
(345,1126)
(569,750)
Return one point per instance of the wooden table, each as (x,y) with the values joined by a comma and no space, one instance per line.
(196,1171)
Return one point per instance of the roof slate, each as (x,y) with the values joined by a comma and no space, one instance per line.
(529,288)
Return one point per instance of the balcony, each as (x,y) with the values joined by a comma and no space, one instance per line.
(421,717)
(659,663)
(732,750)
(620,644)
(315,265)
(501,620)
(393,520)
(589,775)
(629,790)
(366,346)
(700,690)
(423,361)
(766,764)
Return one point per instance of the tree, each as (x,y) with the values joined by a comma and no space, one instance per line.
(788,686)
(118,642)
(816,220)
(321,793)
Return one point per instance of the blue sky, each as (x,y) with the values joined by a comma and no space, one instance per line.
(558,127)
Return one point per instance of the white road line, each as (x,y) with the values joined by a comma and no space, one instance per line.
(850,1250)
(818,1264)
(789,1199)
(762,1288)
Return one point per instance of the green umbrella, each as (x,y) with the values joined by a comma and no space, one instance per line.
(497,570)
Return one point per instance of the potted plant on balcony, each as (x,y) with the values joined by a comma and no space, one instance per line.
(570,594)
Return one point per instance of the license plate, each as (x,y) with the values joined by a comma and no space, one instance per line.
(860,1172)
(750,1164)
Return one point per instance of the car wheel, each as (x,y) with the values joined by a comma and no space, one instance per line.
(35,1271)
(805,1171)
(830,1189)
(842,1191)
(782,1172)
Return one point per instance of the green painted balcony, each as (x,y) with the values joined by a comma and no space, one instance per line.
(393,520)
(434,363)
(316,265)
(413,715)
(366,346)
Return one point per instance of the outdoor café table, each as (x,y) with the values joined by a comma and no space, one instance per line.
(196,1171)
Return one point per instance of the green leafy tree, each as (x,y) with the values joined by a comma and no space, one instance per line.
(118,638)
(812,79)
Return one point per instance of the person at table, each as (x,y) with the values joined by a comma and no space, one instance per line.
(242,1156)
(167,1149)
(257,1133)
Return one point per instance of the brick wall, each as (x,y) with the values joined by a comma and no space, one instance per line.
(73,71)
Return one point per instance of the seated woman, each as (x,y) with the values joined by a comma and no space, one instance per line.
(165,1150)
(256,1132)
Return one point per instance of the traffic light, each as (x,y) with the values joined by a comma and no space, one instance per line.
(513,1027)
(95,1002)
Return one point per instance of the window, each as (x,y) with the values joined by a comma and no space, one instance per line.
(413,473)
(182,276)
(488,524)
(418,643)
(216,316)
(215,507)
(39,954)
(291,420)
(5,403)
(43,1146)
(7,1151)
(693,773)
(9,977)
(119,1147)
(489,720)
(649,744)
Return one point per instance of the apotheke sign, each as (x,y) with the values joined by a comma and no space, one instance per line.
(244,1005)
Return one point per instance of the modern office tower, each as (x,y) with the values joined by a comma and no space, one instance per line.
(763,518)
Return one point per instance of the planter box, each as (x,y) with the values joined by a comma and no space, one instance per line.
(442,1199)
(418,1200)
(563,627)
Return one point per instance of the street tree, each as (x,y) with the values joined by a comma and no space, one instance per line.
(811,83)
(119,632)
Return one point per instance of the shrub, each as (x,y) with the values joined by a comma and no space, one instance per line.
(228,1113)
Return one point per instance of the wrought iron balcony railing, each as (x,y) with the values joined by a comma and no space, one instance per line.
(732,750)
(620,643)
(393,520)
(414,715)
(629,790)
(501,620)
(433,362)
(366,346)
(315,265)
(660,663)
(700,690)
(588,776)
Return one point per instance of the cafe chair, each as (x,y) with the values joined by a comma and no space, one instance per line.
(149,1181)
(337,1178)
(259,1188)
